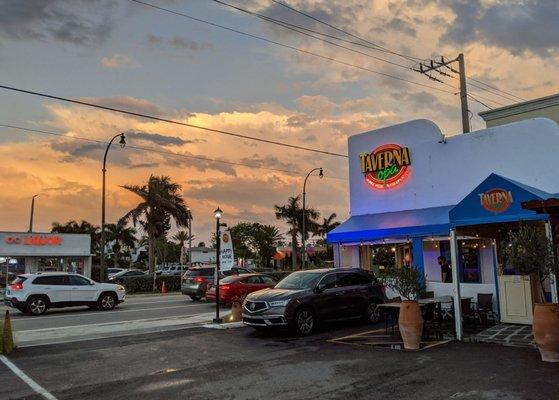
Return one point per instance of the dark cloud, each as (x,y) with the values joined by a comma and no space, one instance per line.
(156,138)
(518,26)
(268,162)
(424,101)
(59,20)
(179,43)
(397,25)
(127,103)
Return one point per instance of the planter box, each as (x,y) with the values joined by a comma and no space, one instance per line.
(516,298)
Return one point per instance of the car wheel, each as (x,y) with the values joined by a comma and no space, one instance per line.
(195,298)
(304,321)
(36,305)
(372,313)
(107,301)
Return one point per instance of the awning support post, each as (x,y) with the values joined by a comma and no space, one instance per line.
(455,267)
(552,277)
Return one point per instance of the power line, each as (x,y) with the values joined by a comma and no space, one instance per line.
(290,47)
(408,57)
(377,46)
(480,102)
(299,29)
(165,152)
(171,121)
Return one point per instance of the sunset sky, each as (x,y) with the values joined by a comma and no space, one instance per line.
(123,54)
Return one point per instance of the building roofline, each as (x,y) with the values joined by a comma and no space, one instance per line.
(520,108)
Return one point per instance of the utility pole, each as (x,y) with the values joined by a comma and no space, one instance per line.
(32,212)
(426,68)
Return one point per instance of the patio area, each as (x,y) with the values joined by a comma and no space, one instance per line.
(506,335)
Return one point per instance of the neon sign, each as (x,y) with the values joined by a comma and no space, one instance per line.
(496,200)
(386,166)
(34,240)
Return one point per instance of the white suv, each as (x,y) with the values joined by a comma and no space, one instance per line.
(35,293)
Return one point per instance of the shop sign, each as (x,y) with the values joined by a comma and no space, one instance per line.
(496,200)
(386,166)
(34,240)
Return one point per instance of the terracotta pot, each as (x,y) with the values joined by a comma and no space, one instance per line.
(411,324)
(546,330)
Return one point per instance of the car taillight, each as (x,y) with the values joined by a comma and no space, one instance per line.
(17,286)
(224,287)
(199,279)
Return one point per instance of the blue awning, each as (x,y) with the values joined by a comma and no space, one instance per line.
(497,200)
(400,224)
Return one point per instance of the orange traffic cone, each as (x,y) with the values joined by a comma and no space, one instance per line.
(163,288)
(8,338)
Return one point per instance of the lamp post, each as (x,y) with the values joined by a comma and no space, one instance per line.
(321,175)
(217,214)
(189,237)
(122,143)
(32,212)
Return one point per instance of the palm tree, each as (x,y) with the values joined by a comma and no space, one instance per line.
(292,214)
(73,226)
(161,200)
(122,236)
(327,225)
(265,238)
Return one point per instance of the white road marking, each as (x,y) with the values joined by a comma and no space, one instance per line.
(21,375)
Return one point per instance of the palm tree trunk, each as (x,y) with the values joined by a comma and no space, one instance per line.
(294,250)
(151,251)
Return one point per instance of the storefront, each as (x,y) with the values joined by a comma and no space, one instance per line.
(416,195)
(41,252)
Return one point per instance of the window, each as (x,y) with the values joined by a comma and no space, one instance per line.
(351,279)
(267,280)
(254,280)
(329,281)
(469,260)
(51,280)
(78,281)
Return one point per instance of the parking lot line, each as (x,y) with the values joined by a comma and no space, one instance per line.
(24,377)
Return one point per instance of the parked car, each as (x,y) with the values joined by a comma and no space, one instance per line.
(36,293)
(120,277)
(239,286)
(305,298)
(112,271)
(195,281)
(172,270)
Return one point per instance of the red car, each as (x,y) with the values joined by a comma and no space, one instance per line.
(239,286)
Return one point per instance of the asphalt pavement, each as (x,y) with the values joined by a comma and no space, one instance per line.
(138,314)
(243,364)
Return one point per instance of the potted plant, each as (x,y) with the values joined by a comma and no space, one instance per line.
(531,253)
(408,283)
(237,308)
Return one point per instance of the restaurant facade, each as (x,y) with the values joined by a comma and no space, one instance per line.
(45,252)
(422,195)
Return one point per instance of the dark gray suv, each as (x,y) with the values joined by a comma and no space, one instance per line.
(305,298)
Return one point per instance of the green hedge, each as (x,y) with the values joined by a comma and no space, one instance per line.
(141,284)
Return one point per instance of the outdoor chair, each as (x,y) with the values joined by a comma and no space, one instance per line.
(391,314)
(484,308)
(428,295)
(431,322)
(468,313)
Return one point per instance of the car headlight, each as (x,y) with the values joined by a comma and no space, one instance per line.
(278,303)
(120,288)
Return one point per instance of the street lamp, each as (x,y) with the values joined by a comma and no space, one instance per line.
(217,214)
(122,143)
(321,175)
(32,211)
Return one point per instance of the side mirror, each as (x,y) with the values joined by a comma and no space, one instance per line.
(320,288)
(91,283)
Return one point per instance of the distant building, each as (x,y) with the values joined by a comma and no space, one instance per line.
(204,255)
(547,107)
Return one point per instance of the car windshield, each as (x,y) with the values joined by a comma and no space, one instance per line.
(299,280)
(229,279)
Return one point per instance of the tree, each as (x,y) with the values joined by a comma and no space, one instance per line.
(123,237)
(292,214)
(161,201)
(241,234)
(327,225)
(82,227)
(265,238)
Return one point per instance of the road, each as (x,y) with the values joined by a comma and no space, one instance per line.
(199,364)
(138,314)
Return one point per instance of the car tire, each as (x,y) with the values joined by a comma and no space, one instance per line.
(36,305)
(372,312)
(107,301)
(304,321)
(195,298)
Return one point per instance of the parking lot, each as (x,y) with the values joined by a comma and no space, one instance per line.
(240,363)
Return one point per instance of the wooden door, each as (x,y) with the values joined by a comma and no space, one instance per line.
(515,299)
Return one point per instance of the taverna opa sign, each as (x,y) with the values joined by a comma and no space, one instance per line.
(386,166)
(496,200)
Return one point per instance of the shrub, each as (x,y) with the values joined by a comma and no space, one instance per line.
(407,281)
(144,284)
